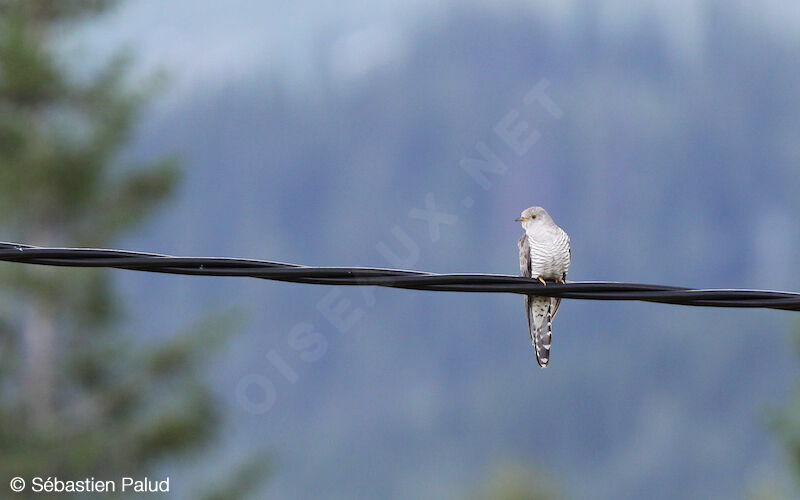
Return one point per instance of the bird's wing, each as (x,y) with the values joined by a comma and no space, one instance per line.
(525,270)
(524,256)
(555,302)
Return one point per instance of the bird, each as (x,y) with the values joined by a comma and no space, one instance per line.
(544,254)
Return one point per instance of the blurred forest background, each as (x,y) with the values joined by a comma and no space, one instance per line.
(668,150)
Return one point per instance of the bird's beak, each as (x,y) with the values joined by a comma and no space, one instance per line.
(520,219)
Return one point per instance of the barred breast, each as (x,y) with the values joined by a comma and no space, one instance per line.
(550,255)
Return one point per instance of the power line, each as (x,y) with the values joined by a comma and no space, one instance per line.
(395,278)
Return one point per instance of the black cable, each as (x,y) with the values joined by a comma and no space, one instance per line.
(394,278)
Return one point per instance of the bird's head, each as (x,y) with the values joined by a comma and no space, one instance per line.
(533,217)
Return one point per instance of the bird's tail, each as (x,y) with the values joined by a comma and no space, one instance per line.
(542,337)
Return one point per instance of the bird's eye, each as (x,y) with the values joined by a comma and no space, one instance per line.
(533,216)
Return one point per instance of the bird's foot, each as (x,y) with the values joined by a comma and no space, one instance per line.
(540,278)
(559,280)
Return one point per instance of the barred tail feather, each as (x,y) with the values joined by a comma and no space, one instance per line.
(542,338)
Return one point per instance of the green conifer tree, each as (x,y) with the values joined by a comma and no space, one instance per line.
(78,398)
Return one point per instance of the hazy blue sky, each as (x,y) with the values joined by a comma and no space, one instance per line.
(206,43)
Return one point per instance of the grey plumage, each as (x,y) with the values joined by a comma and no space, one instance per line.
(544,253)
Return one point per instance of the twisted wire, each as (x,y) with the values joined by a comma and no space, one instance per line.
(395,278)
